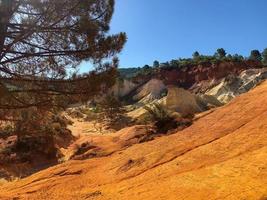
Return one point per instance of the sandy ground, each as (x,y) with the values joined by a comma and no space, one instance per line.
(80,128)
(221,156)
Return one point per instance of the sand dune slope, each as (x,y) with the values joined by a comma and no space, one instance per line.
(223,155)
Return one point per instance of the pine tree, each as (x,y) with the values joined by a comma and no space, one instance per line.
(264,56)
(156,64)
(42,41)
(221,53)
(255,55)
(196,55)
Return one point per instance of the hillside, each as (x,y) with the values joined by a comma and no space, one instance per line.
(221,156)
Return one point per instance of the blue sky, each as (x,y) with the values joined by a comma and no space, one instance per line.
(164,30)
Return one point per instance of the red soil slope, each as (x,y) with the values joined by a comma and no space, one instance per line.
(223,155)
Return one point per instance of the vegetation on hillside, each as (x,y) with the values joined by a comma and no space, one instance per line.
(165,120)
(197,59)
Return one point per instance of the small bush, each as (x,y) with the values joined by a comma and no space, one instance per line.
(161,118)
(166,121)
(158,112)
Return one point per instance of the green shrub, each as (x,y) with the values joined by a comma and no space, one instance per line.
(255,55)
(161,117)
(157,112)
(264,56)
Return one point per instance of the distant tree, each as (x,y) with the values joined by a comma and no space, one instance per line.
(174,63)
(146,67)
(264,56)
(156,64)
(221,53)
(229,56)
(237,57)
(196,55)
(255,55)
(165,65)
(112,109)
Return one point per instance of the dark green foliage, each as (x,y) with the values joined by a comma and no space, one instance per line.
(112,107)
(158,112)
(255,55)
(29,148)
(264,56)
(156,64)
(195,55)
(237,58)
(128,73)
(229,56)
(174,63)
(161,117)
(165,65)
(146,67)
(113,113)
(221,53)
(185,63)
(39,137)
(29,144)
(146,70)
(42,41)
(165,121)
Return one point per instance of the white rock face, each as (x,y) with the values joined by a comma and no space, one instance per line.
(207,101)
(223,92)
(231,87)
(181,101)
(123,88)
(150,91)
